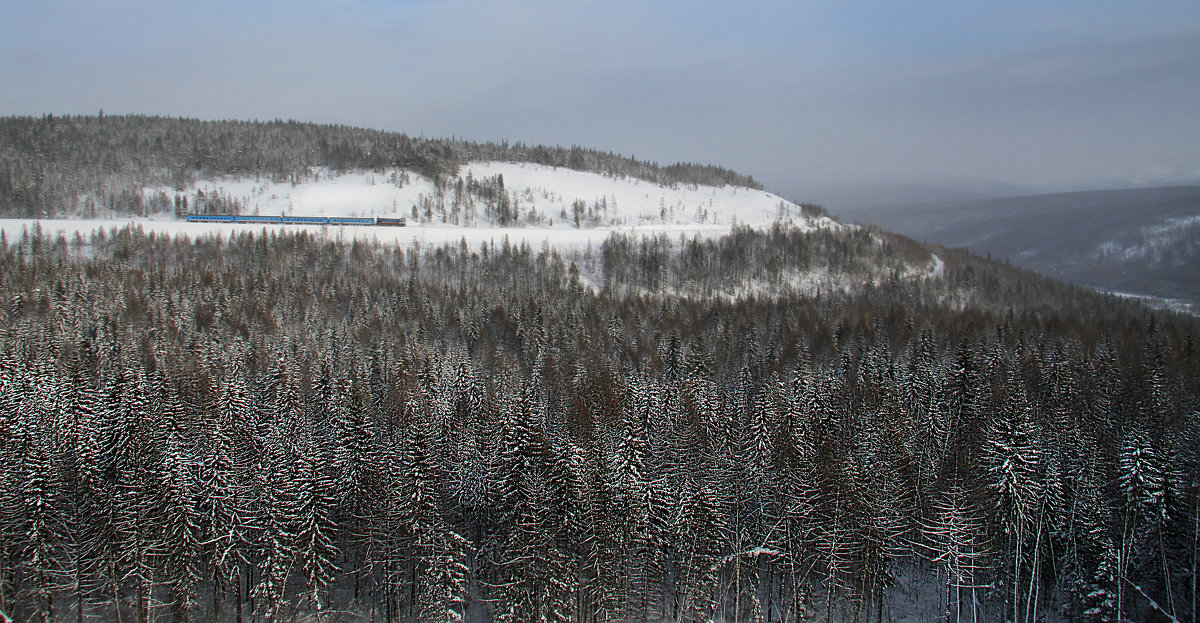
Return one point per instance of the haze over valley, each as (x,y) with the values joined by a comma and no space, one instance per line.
(1138,242)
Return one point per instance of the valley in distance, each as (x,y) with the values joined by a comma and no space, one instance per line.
(1136,242)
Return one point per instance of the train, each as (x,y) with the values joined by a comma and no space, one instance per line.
(297,220)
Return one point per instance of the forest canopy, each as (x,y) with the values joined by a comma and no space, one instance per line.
(284,425)
(53,165)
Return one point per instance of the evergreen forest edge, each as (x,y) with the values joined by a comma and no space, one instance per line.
(279,425)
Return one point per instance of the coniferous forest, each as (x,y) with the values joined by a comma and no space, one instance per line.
(98,165)
(277,426)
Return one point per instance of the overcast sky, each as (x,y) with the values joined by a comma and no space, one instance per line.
(794,92)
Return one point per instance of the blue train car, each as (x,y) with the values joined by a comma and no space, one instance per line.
(296,220)
(348,220)
(259,219)
(305,220)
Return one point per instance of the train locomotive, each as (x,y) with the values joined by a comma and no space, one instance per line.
(297,220)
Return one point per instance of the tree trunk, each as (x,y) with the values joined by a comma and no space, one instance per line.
(116,599)
(141,602)
(240,596)
(1123,550)
(1016,598)
(1162,551)
(216,594)
(1195,549)
(1034,584)
(48,611)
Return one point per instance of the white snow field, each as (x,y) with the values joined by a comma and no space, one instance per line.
(546,190)
(325,193)
(550,192)
(631,205)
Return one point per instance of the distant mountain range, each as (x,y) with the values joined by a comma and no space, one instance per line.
(1143,242)
(861,196)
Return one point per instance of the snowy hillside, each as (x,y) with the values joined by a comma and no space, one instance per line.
(542,205)
(1143,242)
(498,202)
(494,202)
(535,195)
(551,194)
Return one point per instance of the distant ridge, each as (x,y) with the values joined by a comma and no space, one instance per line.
(1140,241)
(47,162)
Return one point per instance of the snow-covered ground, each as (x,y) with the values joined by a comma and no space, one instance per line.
(1150,241)
(548,191)
(323,194)
(1158,302)
(630,206)
(630,201)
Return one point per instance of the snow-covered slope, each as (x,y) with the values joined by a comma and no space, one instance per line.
(551,193)
(549,207)
(324,193)
(540,196)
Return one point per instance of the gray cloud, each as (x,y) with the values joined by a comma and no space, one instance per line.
(794,94)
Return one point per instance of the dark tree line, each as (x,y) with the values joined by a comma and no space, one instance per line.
(88,165)
(280,426)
